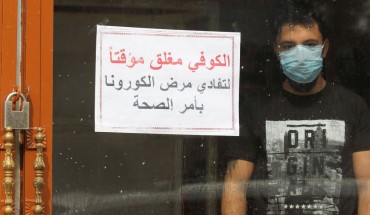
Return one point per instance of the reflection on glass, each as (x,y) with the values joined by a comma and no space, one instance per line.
(107,173)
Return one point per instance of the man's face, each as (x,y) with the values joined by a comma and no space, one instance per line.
(292,35)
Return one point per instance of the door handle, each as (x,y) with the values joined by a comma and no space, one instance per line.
(39,166)
(19,120)
(8,166)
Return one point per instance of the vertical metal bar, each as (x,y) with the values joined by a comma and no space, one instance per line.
(18,151)
(19,44)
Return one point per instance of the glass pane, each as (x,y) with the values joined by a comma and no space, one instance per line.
(108,173)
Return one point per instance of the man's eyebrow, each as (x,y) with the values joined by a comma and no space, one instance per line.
(286,43)
(311,41)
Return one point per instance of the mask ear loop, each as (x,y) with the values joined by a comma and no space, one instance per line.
(323,57)
(325,48)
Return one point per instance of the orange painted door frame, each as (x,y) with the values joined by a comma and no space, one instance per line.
(36,81)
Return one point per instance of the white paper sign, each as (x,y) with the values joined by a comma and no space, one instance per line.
(167,81)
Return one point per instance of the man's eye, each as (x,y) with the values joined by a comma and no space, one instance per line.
(287,46)
(310,44)
(290,46)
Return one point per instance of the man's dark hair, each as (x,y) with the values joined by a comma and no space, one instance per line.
(299,12)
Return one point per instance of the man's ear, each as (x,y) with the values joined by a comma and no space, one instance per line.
(326,48)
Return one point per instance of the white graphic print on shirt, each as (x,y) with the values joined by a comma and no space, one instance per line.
(304,166)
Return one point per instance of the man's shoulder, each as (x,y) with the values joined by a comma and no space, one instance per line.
(343,93)
(338,88)
(261,96)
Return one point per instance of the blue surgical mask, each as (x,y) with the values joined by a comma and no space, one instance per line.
(302,63)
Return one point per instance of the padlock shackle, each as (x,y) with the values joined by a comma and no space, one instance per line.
(14,94)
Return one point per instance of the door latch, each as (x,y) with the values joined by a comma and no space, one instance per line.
(17,119)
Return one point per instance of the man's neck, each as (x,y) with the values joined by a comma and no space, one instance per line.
(319,86)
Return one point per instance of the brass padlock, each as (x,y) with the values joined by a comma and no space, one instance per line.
(16,119)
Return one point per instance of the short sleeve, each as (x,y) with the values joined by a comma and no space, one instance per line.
(361,137)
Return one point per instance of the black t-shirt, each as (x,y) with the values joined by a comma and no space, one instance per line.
(302,149)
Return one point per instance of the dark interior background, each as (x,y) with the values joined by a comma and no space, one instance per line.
(107,173)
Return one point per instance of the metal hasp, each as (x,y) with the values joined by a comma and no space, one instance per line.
(16,119)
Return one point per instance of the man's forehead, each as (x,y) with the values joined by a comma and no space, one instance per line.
(293,26)
(299,32)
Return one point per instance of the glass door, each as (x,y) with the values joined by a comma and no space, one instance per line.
(115,173)
(59,165)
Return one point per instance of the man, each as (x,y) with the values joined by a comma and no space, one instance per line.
(305,147)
